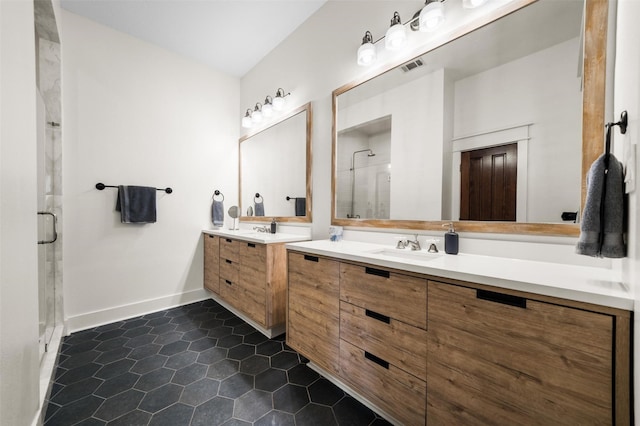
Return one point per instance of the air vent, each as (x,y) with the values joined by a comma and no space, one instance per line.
(412,65)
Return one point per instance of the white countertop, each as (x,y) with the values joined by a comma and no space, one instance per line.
(579,283)
(256,237)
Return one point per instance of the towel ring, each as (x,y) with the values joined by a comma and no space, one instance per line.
(216,193)
(258,198)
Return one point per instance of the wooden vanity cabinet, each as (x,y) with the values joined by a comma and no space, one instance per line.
(212,263)
(314,309)
(455,353)
(496,358)
(252,279)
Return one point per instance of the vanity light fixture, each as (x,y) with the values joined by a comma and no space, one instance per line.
(470,4)
(246,120)
(279,101)
(267,108)
(396,36)
(256,116)
(432,15)
(367,51)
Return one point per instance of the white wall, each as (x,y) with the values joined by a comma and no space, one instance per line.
(627,97)
(18,232)
(319,57)
(136,114)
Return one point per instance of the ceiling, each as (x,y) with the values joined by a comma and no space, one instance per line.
(231,36)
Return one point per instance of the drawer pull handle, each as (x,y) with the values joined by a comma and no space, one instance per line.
(378,272)
(377,316)
(381,362)
(311,258)
(251,244)
(505,299)
(228,261)
(228,282)
(228,240)
(211,236)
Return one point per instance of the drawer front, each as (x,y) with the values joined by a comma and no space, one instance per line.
(398,296)
(534,360)
(229,249)
(228,291)
(397,392)
(229,270)
(212,262)
(253,256)
(402,345)
(313,309)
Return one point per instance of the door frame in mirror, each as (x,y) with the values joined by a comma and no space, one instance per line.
(307,218)
(593,114)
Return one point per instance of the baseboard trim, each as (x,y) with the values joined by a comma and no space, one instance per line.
(118,313)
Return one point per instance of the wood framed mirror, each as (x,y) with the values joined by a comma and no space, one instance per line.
(275,170)
(400,168)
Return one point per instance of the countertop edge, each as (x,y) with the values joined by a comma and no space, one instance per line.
(255,237)
(623,302)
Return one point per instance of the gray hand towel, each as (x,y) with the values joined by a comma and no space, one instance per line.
(301,206)
(259,209)
(136,204)
(607,218)
(217,213)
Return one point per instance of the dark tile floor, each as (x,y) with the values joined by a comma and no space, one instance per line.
(197,364)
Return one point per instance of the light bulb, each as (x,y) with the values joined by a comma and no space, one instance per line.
(431,16)
(396,36)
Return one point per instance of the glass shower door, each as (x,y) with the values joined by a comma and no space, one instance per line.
(47,232)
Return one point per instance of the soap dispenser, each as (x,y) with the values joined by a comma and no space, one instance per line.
(450,240)
(273,225)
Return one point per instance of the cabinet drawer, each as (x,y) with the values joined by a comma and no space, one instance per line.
(229,249)
(228,290)
(229,270)
(397,296)
(212,262)
(403,345)
(496,358)
(397,392)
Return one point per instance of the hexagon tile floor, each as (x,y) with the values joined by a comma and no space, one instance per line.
(197,364)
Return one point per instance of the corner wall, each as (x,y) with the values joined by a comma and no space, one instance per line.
(136,114)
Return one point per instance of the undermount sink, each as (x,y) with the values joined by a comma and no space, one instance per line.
(423,255)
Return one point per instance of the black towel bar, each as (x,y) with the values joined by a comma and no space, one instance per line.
(100,186)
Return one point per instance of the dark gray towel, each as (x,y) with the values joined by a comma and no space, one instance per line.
(259,209)
(136,204)
(217,213)
(610,218)
(301,206)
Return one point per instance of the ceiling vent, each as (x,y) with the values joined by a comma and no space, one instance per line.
(416,63)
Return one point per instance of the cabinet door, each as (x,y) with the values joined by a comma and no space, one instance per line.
(499,359)
(314,310)
(212,263)
(252,280)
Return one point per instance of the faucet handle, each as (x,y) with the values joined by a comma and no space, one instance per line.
(402,243)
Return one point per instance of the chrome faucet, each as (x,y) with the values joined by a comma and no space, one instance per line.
(415,244)
(263,228)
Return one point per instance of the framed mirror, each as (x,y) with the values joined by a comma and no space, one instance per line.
(275,170)
(493,129)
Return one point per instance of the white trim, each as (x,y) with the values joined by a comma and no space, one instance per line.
(516,134)
(118,313)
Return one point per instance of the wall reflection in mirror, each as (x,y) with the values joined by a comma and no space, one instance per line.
(486,127)
(275,170)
